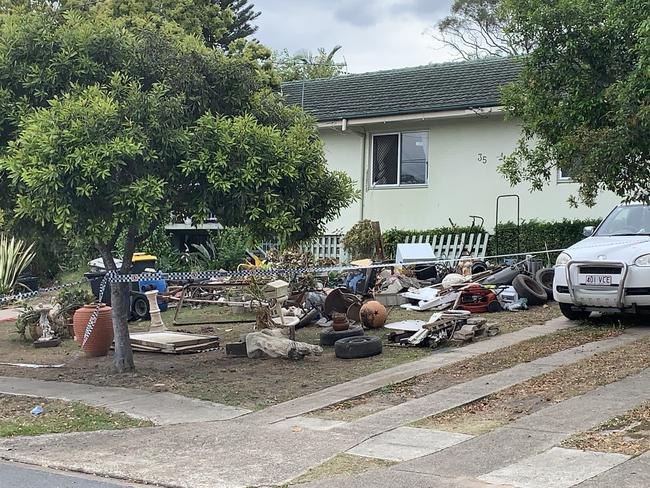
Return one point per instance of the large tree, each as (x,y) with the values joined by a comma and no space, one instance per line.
(583,98)
(241,26)
(476,29)
(106,129)
(305,65)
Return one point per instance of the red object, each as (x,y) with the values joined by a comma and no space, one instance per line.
(476,299)
(101,338)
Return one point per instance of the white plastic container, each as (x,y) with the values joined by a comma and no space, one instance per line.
(506,294)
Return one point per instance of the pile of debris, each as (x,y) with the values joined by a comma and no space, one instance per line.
(455,326)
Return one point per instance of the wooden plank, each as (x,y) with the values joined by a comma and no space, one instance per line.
(471,244)
(477,246)
(448,242)
(483,252)
(166,340)
(435,246)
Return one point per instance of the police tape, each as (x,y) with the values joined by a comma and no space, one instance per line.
(40,291)
(117,277)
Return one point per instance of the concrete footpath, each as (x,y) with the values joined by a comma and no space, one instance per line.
(160,408)
(265,450)
(403,372)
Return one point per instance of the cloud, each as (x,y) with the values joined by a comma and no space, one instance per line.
(380,34)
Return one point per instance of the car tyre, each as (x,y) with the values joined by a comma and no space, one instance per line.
(528,288)
(358,347)
(140,308)
(329,336)
(571,314)
(545,278)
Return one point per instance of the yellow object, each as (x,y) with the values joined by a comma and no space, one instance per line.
(141,256)
(257,263)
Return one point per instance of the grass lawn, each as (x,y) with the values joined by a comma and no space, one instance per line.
(217,377)
(626,434)
(57,417)
(341,465)
(537,393)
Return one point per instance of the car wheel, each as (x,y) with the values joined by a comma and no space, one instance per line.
(357,347)
(140,308)
(329,336)
(545,278)
(528,288)
(571,314)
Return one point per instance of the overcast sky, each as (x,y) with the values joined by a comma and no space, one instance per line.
(375,34)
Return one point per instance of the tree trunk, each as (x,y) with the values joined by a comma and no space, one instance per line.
(120,303)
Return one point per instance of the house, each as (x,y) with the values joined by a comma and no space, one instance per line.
(424,145)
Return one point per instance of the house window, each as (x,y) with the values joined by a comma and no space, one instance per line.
(400,159)
(563,176)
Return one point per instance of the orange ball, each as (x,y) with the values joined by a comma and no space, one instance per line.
(373,315)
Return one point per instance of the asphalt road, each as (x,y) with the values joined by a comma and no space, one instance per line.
(14,475)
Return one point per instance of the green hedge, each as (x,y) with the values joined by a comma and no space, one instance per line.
(535,235)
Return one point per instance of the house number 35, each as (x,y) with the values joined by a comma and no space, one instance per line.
(482,158)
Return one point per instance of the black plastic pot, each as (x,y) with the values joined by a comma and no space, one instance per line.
(30,282)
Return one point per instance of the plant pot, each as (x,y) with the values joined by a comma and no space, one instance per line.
(340,322)
(101,338)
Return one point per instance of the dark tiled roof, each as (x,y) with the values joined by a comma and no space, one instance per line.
(430,88)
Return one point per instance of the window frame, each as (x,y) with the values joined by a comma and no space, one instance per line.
(563,179)
(371,161)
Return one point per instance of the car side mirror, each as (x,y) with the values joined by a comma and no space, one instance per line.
(588,231)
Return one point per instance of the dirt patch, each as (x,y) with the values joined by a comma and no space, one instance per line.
(210,375)
(628,434)
(463,371)
(535,394)
(341,464)
(57,417)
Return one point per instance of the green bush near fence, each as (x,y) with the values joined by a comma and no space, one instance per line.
(534,235)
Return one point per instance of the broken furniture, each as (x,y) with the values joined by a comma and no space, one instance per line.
(210,292)
(440,328)
(278,292)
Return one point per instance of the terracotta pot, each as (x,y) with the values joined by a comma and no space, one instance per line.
(373,315)
(340,322)
(101,337)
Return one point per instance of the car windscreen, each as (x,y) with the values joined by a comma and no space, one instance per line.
(626,220)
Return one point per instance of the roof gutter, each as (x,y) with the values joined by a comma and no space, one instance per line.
(344,123)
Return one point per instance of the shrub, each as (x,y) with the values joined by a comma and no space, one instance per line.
(225,249)
(534,235)
(360,241)
(15,257)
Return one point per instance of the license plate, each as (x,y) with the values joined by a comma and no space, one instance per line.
(597,280)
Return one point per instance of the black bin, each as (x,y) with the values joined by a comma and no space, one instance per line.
(95,280)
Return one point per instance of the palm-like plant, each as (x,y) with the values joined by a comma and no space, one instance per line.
(15,256)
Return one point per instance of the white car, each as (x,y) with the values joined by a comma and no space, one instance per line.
(609,271)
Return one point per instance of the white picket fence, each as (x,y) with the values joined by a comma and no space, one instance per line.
(327,246)
(451,246)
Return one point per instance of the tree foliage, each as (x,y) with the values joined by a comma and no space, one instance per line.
(305,65)
(476,29)
(241,26)
(109,127)
(584,95)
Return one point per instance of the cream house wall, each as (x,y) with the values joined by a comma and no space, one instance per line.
(459,184)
